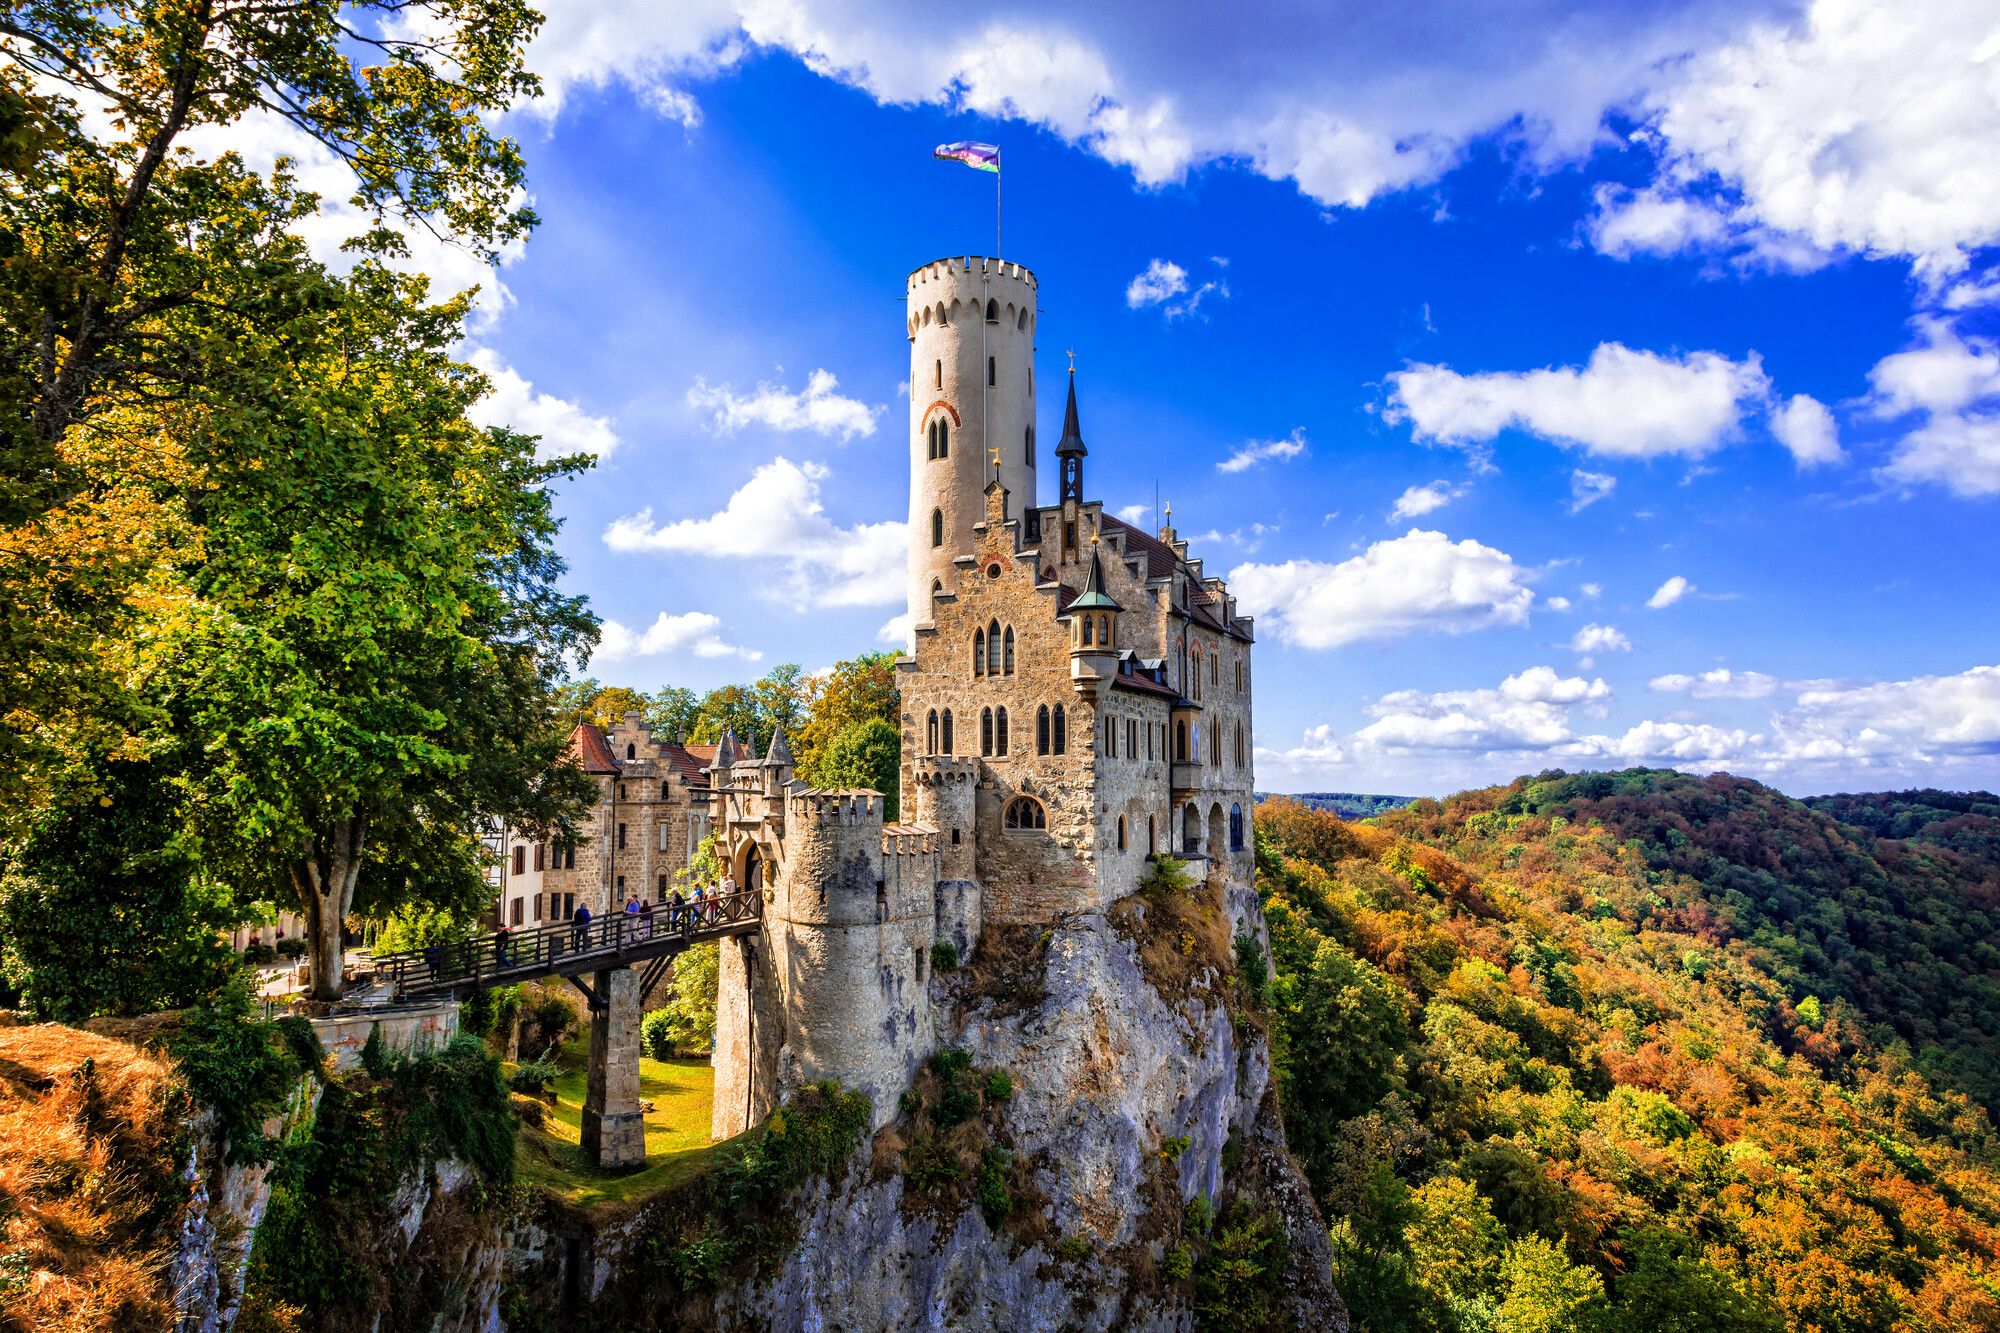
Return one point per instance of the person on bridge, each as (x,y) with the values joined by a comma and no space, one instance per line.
(579,929)
(677,912)
(646,919)
(500,939)
(434,959)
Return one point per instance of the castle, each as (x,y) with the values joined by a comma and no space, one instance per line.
(1075,698)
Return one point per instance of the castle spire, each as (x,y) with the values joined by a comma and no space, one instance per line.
(1070,448)
(1093,597)
(780,753)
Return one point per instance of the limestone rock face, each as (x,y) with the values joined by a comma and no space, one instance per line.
(1106,1068)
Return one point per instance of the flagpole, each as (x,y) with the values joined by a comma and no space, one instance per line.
(997,174)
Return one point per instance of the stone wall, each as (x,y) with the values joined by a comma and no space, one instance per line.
(414,1031)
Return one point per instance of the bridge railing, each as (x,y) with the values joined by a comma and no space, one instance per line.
(565,946)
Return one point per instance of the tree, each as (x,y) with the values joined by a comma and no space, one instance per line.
(1455,1244)
(730,708)
(1546,1293)
(865,754)
(373,652)
(131,259)
(781,698)
(103,910)
(856,690)
(671,711)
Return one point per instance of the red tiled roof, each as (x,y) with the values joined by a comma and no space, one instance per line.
(591,750)
(1160,557)
(688,761)
(1144,685)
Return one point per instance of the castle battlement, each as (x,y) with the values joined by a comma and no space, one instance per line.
(908,840)
(847,808)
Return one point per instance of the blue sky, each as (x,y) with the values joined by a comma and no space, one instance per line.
(1610,385)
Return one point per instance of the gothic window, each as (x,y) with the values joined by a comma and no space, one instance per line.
(1235,828)
(1180,743)
(1152,837)
(1132,738)
(631,752)
(1215,746)
(1121,833)
(666,790)
(937,527)
(1042,729)
(1061,729)
(1025,815)
(1214,666)
(944,438)
(1110,738)
(1239,744)
(937,587)
(1000,731)
(1089,624)
(1190,831)
(992,312)
(945,735)
(1028,447)
(1104,630)
(993,648)
(931,731)
(1239,675)
(986,731)
(979,652)
(1194,679)
(1007,652)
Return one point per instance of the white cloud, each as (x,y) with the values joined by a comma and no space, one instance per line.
(1587,488)
(777,518)
(1669,592)
(1592,590)
(1595,638)
(1628,222)
(1804,426)
(564,427)
(1421,582)
(1530,711)
(1162,281)
(1346,106)
(1318,747)
(1622,404)
(895,631)
(1953,381)
(690,631)
(1556,603)
(1927,718)
(1720,683)
(1135,514)
(1254,452)
(1417,501)
(817,408)
(1861,127)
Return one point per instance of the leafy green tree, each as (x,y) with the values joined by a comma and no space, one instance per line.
(373,651)
(671,711)
(731,708)
(781,698)
(103,909)
(1669,1289)
(859,689)
(1546,1293)
(687,1020)
(131,258)
(865,754)
(1455,1244)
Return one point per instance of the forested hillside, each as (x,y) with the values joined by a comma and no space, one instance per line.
(1646,1051)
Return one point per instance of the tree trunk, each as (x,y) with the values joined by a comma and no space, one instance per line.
(324,876)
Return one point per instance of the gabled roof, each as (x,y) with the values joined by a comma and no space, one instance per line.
(591,751)
(1144,685)
(687,761)
(1159,557)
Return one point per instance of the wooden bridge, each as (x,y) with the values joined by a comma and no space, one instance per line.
(602,958)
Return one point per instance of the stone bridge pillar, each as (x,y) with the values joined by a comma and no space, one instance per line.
(614,1128)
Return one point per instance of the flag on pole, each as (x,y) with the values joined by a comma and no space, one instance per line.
(978,156)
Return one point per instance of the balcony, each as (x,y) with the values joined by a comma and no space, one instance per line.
(1183,776)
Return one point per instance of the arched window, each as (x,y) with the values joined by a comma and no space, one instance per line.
(1152,837)
(1194,680)
(1215,746)
(992,312)
(1025,815)
(1239,675)
(944,438)
(944,737)
(937,587)
(1089,624)
(1007,652)
(1190,830)
(1110,738)
(979,652)
(931,733)
(937,527)
(1042,729)
(1214,666)
(1022,322)
(993,648)
(986,731)
(1121,833)
(1000,731)
(631,752)
(1028,447)
(1180,743)
(1061,729)
(1235,828)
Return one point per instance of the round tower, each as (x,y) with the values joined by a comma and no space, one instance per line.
(971,324)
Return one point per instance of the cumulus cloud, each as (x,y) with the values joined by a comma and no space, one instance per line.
(1587,488)
(777,518)
(1855,127)
(1719,683)
(1417,501)
(1952,383)
(895,631)
(1621,404)
(1345,107)
(1926,718)
(1529,711)
(1254,452)
(1805,426)
(1318,747)
(1595,638)
(1669,592)
(564,427)
(1556,603)
(816,408)
(1421,582)
(1162,281)
(691,631)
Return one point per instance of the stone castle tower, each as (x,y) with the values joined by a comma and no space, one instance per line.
(1075,702)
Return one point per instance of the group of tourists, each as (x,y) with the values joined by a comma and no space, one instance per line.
(683,912)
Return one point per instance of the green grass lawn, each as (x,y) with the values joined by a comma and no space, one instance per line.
(677,1144)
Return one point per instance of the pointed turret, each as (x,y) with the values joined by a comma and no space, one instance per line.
(1093,633)
(1093,597)
(1069,449)
(725,753)
(779,755)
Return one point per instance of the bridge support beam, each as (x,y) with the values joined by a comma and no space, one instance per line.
(614,1128)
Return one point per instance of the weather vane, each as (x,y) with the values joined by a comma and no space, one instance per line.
(1070,352)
